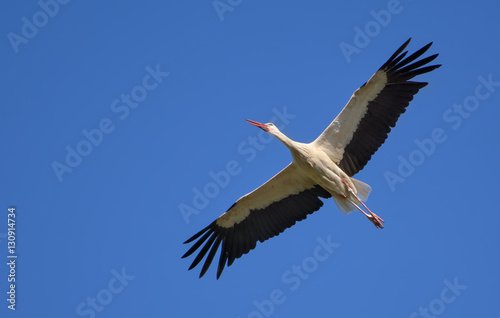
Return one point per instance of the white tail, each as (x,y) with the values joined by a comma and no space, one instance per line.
(362,191)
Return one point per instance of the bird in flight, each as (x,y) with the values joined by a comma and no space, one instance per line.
(320,169)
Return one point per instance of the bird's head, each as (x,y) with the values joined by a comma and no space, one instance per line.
(269,127)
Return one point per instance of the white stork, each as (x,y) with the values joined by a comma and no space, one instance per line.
(320,169)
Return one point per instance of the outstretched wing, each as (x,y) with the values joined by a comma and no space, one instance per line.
(278,204)
(364,123)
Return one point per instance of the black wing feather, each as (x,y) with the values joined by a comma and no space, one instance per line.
(384,111)
(260,225)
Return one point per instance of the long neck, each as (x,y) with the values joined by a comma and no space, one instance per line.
(292,145)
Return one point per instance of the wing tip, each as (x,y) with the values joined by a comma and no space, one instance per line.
(194,237)
(396,60)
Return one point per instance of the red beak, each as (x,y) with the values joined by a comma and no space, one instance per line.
(257,124)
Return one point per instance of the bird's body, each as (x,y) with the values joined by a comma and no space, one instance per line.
(320,169)
(310,166)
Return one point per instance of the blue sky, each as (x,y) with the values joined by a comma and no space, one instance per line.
(116,116)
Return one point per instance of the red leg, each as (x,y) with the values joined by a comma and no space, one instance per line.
(375,219)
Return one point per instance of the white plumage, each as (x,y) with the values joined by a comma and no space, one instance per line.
(320,169)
